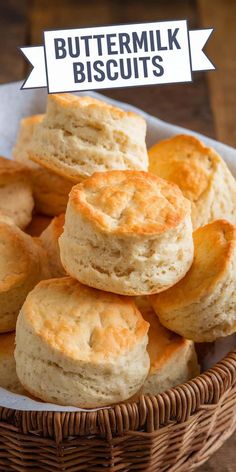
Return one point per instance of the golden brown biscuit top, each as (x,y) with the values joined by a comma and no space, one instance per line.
(186,161)
(12,171)
(70,101)
(7,345)
(214,248)
(162,343)
(83,323)
(127,202)
(15,256)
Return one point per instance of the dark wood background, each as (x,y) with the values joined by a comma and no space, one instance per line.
(208,105)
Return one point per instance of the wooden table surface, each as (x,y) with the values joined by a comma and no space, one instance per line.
(208,105)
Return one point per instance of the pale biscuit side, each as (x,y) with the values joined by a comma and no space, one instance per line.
(50,190)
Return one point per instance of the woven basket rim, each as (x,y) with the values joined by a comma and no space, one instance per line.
(146,413)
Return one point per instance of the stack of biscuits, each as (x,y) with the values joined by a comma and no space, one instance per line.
(114,260)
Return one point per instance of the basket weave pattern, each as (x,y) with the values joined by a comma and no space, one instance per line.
(175,431)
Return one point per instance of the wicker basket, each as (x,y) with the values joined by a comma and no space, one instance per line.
(174,431)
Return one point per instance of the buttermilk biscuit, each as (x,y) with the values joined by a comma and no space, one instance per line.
(50,190)
(127,232)
(202,306)
(49,239)
(201,174)
(173,359)
(81,135)
(16,200)
(22,264)
(79,346)
(8,377)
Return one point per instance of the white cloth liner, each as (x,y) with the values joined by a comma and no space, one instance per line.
(16,104)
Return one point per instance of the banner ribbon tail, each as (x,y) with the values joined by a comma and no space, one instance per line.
(198,39)
(37,77)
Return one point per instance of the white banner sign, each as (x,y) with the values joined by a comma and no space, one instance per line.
(117,56)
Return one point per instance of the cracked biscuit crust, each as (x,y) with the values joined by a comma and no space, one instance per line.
(130,202)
